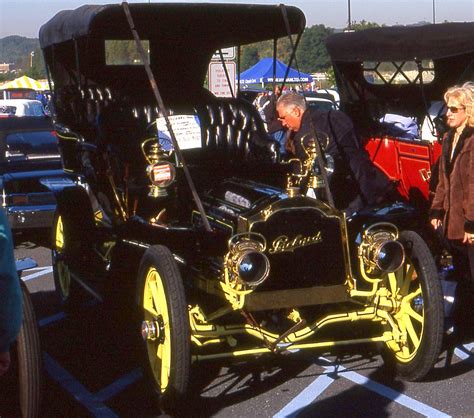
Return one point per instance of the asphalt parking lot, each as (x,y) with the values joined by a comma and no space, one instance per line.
(92,369)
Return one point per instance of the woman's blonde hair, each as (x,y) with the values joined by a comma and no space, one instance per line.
(465,96)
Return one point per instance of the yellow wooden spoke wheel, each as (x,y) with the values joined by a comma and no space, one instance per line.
(418,314)
(404,284)
(62,274)
(156,328)
(165,326)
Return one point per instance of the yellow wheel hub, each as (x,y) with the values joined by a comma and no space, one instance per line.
(64,276)
(156,328)
(405,288)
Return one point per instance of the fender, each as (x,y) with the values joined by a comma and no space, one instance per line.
(400,214)
(74,206)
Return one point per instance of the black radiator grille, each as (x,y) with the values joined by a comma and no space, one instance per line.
(314,253)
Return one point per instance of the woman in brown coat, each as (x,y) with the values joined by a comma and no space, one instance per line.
(453,203)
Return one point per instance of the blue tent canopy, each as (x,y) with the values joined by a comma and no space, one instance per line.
(262,72)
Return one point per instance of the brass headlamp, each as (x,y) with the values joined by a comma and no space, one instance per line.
(246,262)
(380,251)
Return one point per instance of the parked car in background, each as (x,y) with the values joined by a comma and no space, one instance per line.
(30,169)
(251,93)
(21,107)
(390,75)
(320,101)
(333,92)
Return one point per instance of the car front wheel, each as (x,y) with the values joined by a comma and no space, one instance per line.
(165,326)
(418,319)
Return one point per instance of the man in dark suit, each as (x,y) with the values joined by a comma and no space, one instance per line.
(356,182)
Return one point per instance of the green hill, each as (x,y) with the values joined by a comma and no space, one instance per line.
(17,49)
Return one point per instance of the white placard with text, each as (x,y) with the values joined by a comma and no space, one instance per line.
(186,128)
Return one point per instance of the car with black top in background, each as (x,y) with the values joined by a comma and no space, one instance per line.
(30,170)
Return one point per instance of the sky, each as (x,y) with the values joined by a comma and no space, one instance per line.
(24,17)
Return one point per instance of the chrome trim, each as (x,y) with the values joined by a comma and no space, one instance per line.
(136,243)
(179,259)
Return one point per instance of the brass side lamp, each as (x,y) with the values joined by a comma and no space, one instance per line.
(161,172)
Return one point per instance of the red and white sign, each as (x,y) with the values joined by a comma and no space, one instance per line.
(161,173)
(218,81)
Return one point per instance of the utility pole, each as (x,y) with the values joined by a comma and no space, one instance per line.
(32,54)
(434,15)
(349,14)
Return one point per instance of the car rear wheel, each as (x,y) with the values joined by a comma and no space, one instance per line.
(66,289)
(29,360)
(165,326)
(20,387)
(419,314)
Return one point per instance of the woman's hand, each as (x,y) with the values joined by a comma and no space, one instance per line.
(436,223)
(468,238)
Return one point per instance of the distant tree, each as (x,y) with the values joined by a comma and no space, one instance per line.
(16,50)
(312,55)
(364,25)
(249,57)
(331,81)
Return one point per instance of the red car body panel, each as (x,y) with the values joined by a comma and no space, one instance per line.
(405,161)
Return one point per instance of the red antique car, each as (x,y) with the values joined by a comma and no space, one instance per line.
(391,81)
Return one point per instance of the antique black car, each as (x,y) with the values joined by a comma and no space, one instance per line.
(186,204)
(30,170)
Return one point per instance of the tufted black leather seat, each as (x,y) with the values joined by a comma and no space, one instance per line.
(232,128)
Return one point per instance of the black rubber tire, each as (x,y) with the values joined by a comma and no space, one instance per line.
(418,253)
(20,387)
(160,258)
(29,360)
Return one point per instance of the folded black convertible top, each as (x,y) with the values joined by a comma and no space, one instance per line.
(218,24)
(400,43)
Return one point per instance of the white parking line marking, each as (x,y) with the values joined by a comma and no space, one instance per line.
(463,352)
(310,393)
(42,272)
(306,397)
(385,391)
(76,389)
(34,269)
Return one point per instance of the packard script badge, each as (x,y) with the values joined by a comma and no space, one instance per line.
(284,243)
